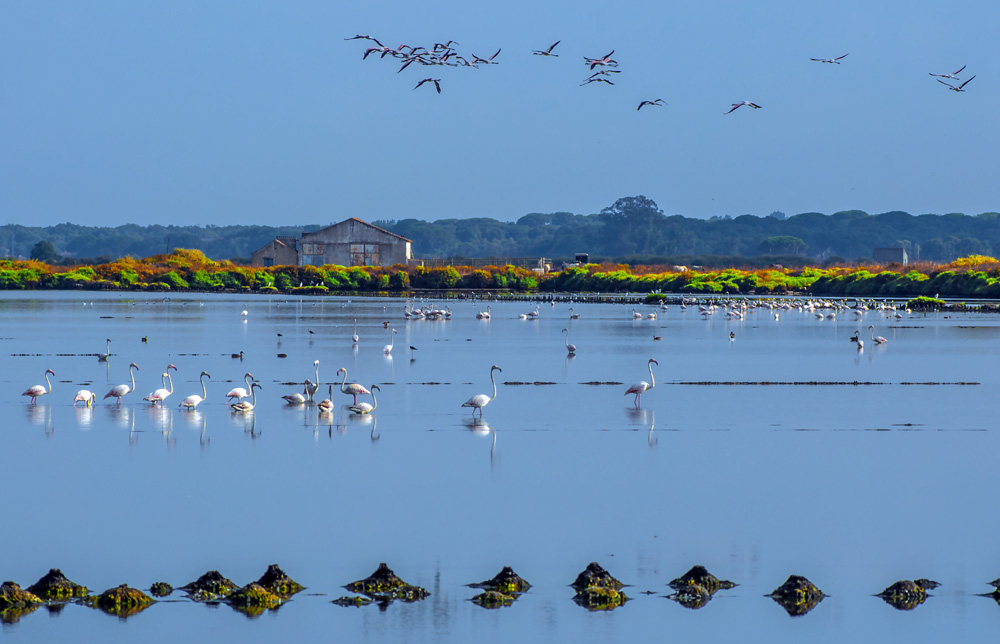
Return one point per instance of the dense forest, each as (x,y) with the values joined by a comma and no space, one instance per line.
(632,230)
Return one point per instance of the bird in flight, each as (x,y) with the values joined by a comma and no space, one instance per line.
(596,80)
(486,61)
(658,101)
(741,104)
(606,60)
(952,76)
(547,52)
(829,60)
(366,38)
(952,87)
(436,81)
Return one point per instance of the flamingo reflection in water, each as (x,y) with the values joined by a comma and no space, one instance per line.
(480,427)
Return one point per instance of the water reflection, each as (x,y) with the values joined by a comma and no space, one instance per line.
(40,415)
(84,416)
(480,427)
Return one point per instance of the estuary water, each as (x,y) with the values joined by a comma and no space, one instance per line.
(853,468)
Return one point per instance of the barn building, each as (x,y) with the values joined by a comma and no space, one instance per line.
(352,242)
(891,256)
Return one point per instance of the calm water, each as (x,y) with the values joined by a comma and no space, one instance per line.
(854,487)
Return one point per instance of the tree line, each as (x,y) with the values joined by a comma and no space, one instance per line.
(633,230)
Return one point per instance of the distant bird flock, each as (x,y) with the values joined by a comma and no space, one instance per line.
(445,54)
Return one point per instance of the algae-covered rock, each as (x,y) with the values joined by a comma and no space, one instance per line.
(253,595)
(797,595)
(996,583)
(123,601)
(55,585)
(356,601)
(699,575)
(209,587)
(276,581)
(493,599)
(506,581)
(691,596)
(906,594)
(160,589)
(596,576)
(600,598)
(13,596)
(384,584)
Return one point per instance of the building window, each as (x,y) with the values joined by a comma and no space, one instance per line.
(268,261)
(312,249)
(364,255)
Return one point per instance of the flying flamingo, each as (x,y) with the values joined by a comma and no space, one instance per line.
(952,76)
(436,81)
(353,389)
(877,339)
(310,387)
(39,390)
(488,61)
(481,400)
(606,60)
(741,104)
(952,87)
(365,408)
(834,60)
(547,52)
(121,390)
(387,349)
(161,394)
(88,397)
(657,102)
(641,387)
(239,392)
(247,406)
(194,400)
(571,348)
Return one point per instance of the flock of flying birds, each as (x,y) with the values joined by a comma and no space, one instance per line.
(445,54)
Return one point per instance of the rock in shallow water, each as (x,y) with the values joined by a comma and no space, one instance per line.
(55,585)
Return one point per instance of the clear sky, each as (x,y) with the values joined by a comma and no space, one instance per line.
(198,112)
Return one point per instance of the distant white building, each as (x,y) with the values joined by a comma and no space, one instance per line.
(891,256)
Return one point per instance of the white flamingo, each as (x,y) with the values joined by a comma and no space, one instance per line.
(365,408)
(311,387)
(296,398)
(877,339)
(248,406)
(571,348)
(326,405)
(161,394)
(642,386)
(741,104)
(120,390)
(952,76)
(354,337)
(103,357)
(387,349)
(88,397)
(483,315)
(240,393)
(636,315)
(353,389)
(194,400)
(481,400)
(39,390)
(572,315)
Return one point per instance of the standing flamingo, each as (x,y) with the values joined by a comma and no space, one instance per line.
(239,392)
(120,390)
(248,406)
(88,397)
(387,349)
(483,315)
(161,394)
(365,408)
(311,388)
(642,386)
(571,348)
(39,390)
(103,357)
(481,400)
(572,315)
(353,389)
(877,339)
(194,400)
(353,337)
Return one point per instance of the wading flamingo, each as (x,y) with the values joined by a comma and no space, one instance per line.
(103,357)
(642,386)
(39,390)
(161,394)
(88,397)
(353,389)
(310,387)
(194,400)
(481,400)
(248,406)
(571,348)
(353,337)
(387,349)
(877,339)
(365,408)
(483,315)
(239,392)
(121,390)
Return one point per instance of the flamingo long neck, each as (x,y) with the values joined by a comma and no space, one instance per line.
(170,381)
(392,339)
(246,379)
(317,373)
(343,385)
(567,339)
(204,392)
(47,382)
(374,402)
(132,374)
(652,380)
(494,384)
(253,396)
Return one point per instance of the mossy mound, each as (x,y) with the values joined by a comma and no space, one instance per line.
(691,596)
(996,583)
(493,599)
(276,581)
(506,581)
(356,601)
(699,575)
(209,587)
(600,598)
(123,601)
(596,576)
(906,594)
(160,589)
(13,596)
(253,595)
(797,595)
(55,585)
(384,584)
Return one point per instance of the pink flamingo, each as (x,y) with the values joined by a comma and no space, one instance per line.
(642,387)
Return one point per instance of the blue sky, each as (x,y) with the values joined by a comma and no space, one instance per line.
(261,113)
